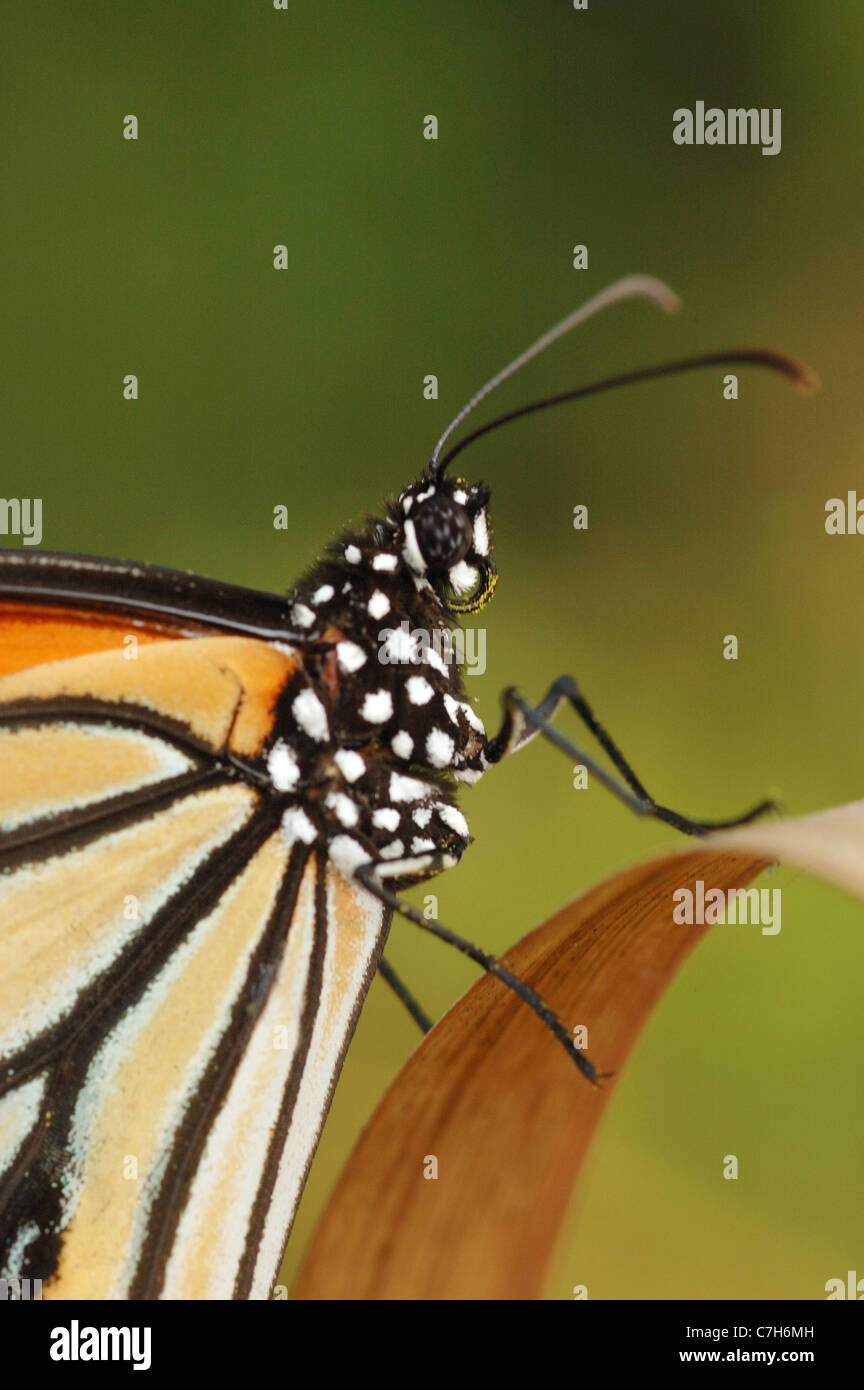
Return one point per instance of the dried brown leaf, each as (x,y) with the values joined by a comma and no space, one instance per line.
(500,1106)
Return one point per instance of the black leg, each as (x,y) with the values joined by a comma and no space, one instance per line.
(565,688)
(523,721)
(404,995)
(366,875)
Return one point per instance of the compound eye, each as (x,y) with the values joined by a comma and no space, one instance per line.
(444,532)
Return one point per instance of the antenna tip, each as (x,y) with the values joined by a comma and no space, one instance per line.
(648,287)
(802,377)
(806,381)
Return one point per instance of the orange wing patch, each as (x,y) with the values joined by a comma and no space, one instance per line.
(223,689)
(31,634)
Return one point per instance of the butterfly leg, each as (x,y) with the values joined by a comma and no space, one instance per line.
(523,722)
(371,877)
(404,995)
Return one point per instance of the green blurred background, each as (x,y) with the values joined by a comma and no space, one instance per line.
(304,387)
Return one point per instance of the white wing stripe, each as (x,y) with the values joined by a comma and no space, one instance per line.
(19,1113)
(355,925)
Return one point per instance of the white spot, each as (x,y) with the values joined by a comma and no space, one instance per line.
(452,707)
(283,767)
(302,616)
(346,855)
(422,816)
(404,868)
(481,534)
(434,659)
(350,764)
(411,550)
(407,504)
(407,788)
(421,496)
(420,845)
(311,715)
(463,577)
(400,647)
(420,692)
(387,818)
(377,708)
(469,775)
(440,748)
(452,816)
(472,716)
(350,657)
(296,825)
(460,497)
(353,555)
(324,594)
(385,562)
(378,605)
(402,744)
(394,850)
(343,808)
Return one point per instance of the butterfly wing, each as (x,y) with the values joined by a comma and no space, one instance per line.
(177,986)
(54,606)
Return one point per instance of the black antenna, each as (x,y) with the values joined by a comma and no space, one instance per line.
(801,377)
(632,286)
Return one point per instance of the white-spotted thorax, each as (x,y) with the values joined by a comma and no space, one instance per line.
(374,731)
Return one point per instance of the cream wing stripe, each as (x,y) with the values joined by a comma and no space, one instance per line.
(65,766)
(141,1083)
(64,920)
(212,1234)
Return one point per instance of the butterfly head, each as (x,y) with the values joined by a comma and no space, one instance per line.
(446,540)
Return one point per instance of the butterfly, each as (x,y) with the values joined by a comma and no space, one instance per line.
(211,800)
